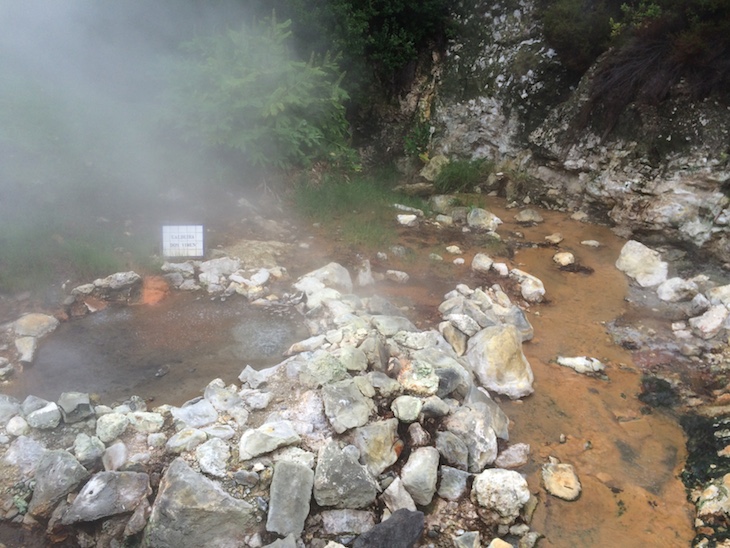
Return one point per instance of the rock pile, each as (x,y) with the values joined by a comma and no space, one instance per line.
(370,429)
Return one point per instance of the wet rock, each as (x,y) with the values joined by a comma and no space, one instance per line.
(642,264)
(401,530)
(345,405)
(75,406)
(420,474)
(675,290)
(714,499)
(514,456)
(500,494)
(110,426)
(376,442)
(35,325)
(197,414)
(266,438)
(452,449)
(529,216)
(115,456)
(212,456)
(340,481)
(339,522)
(474,430)
(453,484)
(560,480)
(481,219)
(516,316)
(564,258)
(26,348)
(531,288)
(711,322)
(45,418)
(191,510)
(582,364)
(496,358)
(58,474)
(396,497)
(554,238)
(291,491)
(186,439)
(331,275)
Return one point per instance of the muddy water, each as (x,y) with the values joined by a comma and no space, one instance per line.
(628,461)
(166,352)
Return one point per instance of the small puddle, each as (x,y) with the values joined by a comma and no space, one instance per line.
(170,350)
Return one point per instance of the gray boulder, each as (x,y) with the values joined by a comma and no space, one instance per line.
(340,481)
(376,442)
(420,474)
(57,475)
(291,491)
(345,405)
(475,430)
(401,530)
(108,494)
(75,406)
(191,510)
(35,325)
(266,438)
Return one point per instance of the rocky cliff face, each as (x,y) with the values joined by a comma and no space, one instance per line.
(503,95)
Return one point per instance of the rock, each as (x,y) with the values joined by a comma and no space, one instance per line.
(452,449)
(473,428)
(529,216)
(675,290)
(564,258)
(407,220)
(396,497)
(322,368)
(45,418)
(561,480)
(481,219)
(58,474)
(146,422)
(115,456)
(17,426)
(353,358)
(500,494)
(266,438)
(514,456)
(418,436)
(9,407)
(340,481)
(186,439)
(401,530)
(35,325)
(196,415)
(377,443)
(406,408)
(471,539)
(454,250)
(339,522)
(442,203)
(397,276)
(254,378)
(710,323)
(24,453)
(119,280)
(191,510)
(108,494)
(582,364)
(453,485)
(390,325)
(26,347)
(456,338)
(332,275)
(482,263)
(110,426)
(464,323)
(433,168)
(291,491)
(719,295)
(212,456)
(420,474)
(256,399)
(531,288)
(554,238)
(288,541)
(75,406)
(591,243)
(496,358)
(642,264)
(345,405)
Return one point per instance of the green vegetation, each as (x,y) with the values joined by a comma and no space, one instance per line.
(244,90)
(462,175)
(361,208)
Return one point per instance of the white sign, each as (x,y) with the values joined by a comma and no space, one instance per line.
(182,241)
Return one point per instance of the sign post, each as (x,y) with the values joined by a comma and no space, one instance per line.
(182,241)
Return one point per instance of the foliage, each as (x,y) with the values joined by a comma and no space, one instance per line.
(462,175)
(245,90)
(416,141)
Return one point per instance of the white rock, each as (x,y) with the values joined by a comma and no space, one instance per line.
(676,289)
(591,243)
(502,493)
(397,276)
(501,268)
(407,220)
(561,480)
(582,364)
(26,347)
(555,238)
(642,264)
(564,258)
(454,250)
(710,323)
(482,263)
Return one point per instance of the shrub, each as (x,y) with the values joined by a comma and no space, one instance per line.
(244,90)
(462,175)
